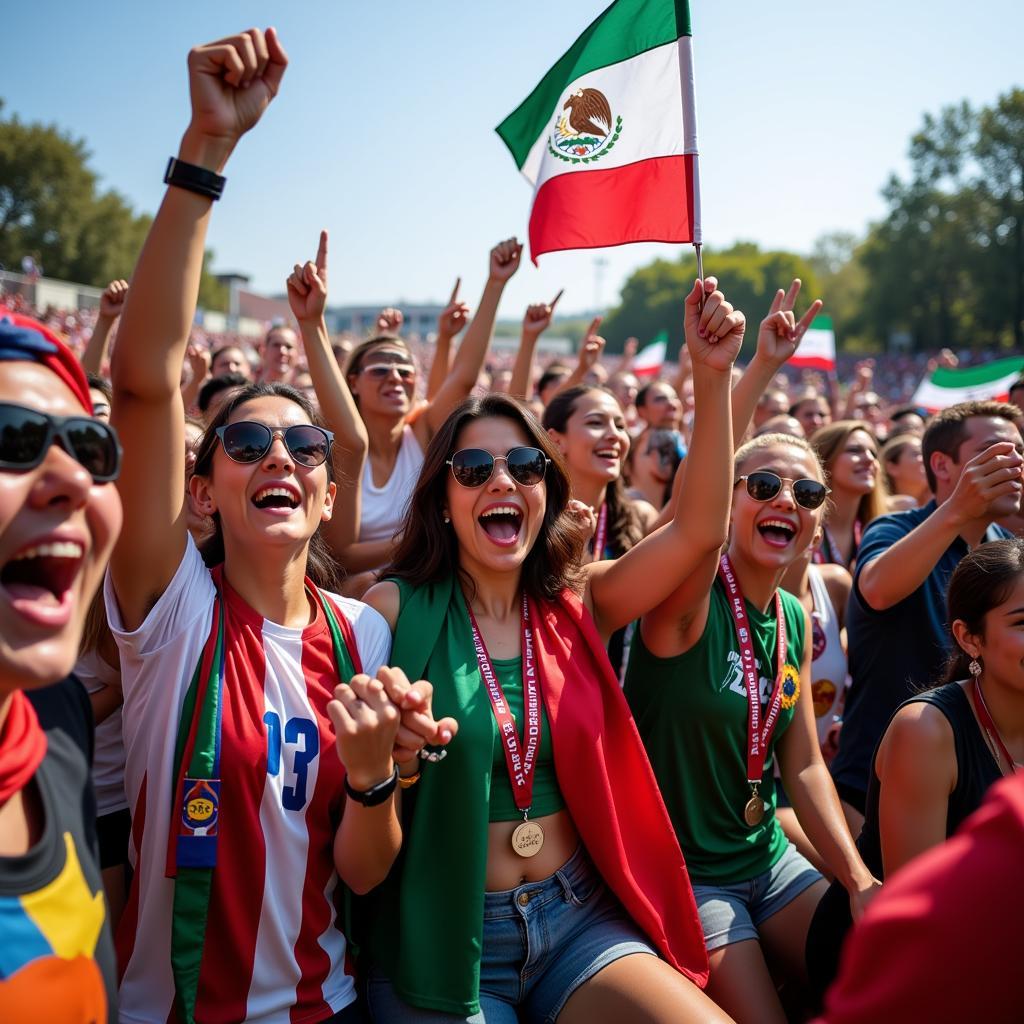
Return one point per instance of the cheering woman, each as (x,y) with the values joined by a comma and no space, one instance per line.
(945,746)
(247,825)
(540,871)
(717,681)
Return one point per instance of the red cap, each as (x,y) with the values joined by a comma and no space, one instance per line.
(25,339)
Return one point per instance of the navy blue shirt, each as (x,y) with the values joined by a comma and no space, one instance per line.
(893,653)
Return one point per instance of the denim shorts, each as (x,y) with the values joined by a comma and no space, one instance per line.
(732,913)
(542,941)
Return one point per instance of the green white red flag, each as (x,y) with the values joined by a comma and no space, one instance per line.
(946,387)
(817,350)
(647,363)
(608,139)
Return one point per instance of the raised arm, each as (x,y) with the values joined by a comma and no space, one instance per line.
(94,358)
(307,296)
(778,338)
(647,575)
(473,351)
(536,320)
(449,324)
(901,569)
(231,83)
(591,348)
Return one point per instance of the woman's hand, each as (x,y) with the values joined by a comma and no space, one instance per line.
(232,82)
(861,894)
(418,727)
(454,316)
(583,519)
(307,286)
(591,348)
(112,299)
(714,333)
(780,333)
(505,260)
(365,725)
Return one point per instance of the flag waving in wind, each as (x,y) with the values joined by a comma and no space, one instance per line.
(609,137)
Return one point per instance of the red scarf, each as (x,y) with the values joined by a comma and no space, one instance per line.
(22,746)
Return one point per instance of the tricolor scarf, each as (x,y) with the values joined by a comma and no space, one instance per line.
(424,925)
(22,746)
(192,838)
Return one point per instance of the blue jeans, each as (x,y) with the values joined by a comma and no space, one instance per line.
(541,941)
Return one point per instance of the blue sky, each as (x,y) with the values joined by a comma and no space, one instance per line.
(383,131)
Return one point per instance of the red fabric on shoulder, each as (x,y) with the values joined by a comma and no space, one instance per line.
(609,787)
(22,746)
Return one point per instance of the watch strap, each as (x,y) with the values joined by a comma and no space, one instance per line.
(375,794)
(196,179)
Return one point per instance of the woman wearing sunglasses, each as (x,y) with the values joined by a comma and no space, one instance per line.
(540,872)
(718,682)
(382,376)
(262,786)
(59,517)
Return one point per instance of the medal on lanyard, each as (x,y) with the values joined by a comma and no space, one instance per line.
(758,735)
(601,535)
(520,756)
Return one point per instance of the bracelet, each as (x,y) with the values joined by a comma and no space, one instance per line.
(194,179)
(433,754)
(408,781)
(376,794)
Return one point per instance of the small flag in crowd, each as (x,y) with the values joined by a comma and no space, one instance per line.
(651,358)
(817,351)
(946,386)
(609,137)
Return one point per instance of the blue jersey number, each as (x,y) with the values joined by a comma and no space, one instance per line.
(302,735)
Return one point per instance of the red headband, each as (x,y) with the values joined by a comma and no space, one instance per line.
(25,339)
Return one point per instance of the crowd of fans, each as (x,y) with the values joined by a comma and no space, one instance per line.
(686,697)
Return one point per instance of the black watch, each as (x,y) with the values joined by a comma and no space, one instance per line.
(375,794)
(194,179)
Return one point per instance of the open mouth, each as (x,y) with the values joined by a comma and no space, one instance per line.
(776,532)
(38,579)
(502,523)
(611,454)
(276,498)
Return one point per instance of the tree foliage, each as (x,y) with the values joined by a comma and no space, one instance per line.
(53,209)
(652,298)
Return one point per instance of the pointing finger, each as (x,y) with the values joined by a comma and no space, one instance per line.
(321,253)
(455,291)
(554,301)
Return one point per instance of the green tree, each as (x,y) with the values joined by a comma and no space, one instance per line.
(652,298)
(51,208)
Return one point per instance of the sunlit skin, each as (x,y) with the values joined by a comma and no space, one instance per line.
(232,486)
(813,413)
(854,469)
(100,405)
(388,397)
(55,501)
(595,444)
(279,354)
(230,360)
(662,407)
(907,471)
(982,433)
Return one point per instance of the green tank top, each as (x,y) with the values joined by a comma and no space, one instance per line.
(547,797)
(691,711)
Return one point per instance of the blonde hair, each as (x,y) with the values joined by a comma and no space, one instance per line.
(747,451)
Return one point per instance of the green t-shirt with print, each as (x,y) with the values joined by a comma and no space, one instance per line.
(691,711)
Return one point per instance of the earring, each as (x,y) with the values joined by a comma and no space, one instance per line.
(447,519)
(974,667)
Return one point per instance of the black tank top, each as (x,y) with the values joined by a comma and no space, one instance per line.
(976,770)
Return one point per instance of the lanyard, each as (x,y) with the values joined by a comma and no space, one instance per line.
(602,532)
(989,725)
(833,547)
(519,761)
(757,735)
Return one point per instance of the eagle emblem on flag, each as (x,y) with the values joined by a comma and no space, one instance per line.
(584,130)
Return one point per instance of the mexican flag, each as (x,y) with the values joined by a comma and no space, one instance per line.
(946,387)
(817,350)
(608,139)
(647,363)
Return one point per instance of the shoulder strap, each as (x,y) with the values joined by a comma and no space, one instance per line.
(420,621)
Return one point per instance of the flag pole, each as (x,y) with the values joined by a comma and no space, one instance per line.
(700,275)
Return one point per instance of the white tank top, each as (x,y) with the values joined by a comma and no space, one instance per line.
(384,507)
(828,668)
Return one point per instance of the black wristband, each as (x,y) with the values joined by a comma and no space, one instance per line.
(375,794)
(194,179)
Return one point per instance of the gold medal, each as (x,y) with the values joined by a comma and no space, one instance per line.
(753,811)
(527,839)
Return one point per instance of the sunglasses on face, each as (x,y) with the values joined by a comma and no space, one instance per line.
(764,486)
(248,441)
(473,467)
(26,436)
(381,371)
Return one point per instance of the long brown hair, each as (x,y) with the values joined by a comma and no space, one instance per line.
(429,550)
(321,567)
(625,529)
(828,442)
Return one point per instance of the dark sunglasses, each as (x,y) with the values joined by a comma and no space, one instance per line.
(248,441)
(26,436)
(473,467)
(764,486)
